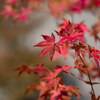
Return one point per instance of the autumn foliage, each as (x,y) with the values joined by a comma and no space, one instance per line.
(70,36)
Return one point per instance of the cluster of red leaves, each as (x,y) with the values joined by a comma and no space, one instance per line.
(21,9)
(71,37)
(58,7)
(51,85)
(68,33)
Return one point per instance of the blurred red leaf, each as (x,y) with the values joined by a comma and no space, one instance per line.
(40,70)
(59,69)
(24,68)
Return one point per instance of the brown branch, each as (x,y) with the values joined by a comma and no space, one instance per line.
(93,92)
(78,77)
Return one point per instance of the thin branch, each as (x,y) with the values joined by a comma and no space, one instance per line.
(78,77)
(93,92)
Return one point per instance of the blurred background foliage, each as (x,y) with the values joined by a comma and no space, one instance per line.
(13,53)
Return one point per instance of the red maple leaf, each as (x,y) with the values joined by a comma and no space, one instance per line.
(60,94)
(49,77)
(83,27)
(80,49)
(11,2)
(58,7)
(59,69)
(32,87)
(64,49)
(70,32)
(24,68)
(40,70)
(71,39)
(94,71)
(97,3)
(65,93)
(24,15)
(42,87)
(50,46)
(74,91)
(95,54)
(8,12)
(81,68)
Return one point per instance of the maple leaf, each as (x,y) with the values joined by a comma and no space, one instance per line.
(11,2)
(40,70)
(24,15)
(78,47)
(50,76)
(94,71)
(32,87)
(85,3)
(73,90)
(64,93)
(83,28)
(97,3)
(55,94)
(51,79)
(67,28)
(95,54)
(50,46)
(8,12)
(24,68)
(75,8)
(81,68)
(59,69)
(58,7)
(54,83)
(71,33)
(64,49)
(42,87)
(82,5)
(44,91)
(71,39)
(59,94)
(64,24)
